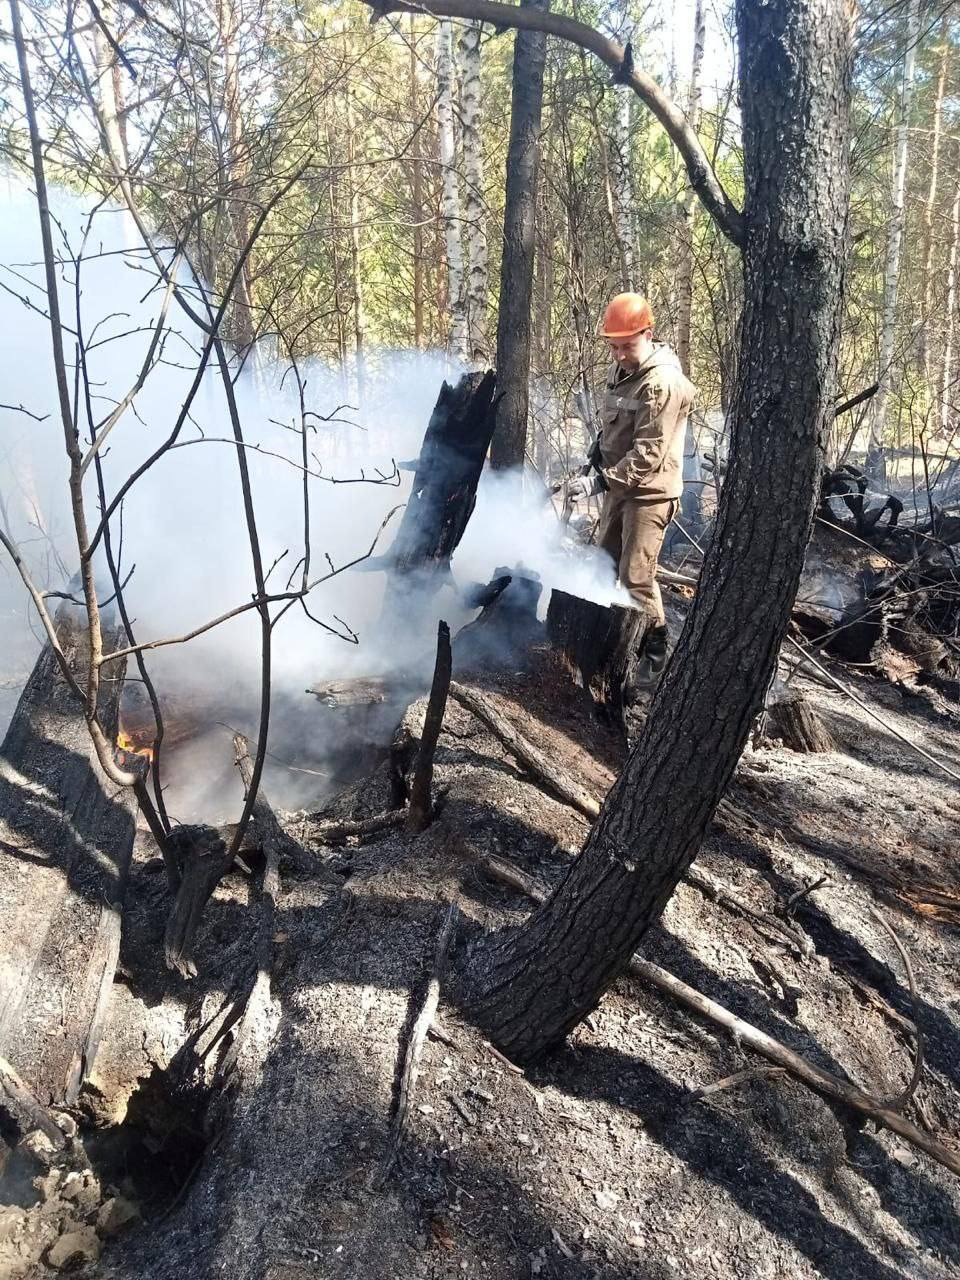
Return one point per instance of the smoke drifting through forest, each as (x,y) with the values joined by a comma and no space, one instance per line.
(183,536)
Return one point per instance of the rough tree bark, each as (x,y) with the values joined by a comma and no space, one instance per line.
(891,276)
(457,342)
(519,226)
(474,205)
(529,986)
(947,396)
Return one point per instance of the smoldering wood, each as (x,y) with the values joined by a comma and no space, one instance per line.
(204,859)
(507,629)
(444,489)
(601,643)
(421,803)
(66,839)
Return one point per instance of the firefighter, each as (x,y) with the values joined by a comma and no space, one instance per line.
(645,410)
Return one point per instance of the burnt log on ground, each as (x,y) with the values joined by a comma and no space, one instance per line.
(444,489)
(600,642)
(203,860)
(66,839)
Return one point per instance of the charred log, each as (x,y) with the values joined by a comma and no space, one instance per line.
(66,838)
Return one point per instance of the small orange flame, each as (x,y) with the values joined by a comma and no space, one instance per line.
(128,746)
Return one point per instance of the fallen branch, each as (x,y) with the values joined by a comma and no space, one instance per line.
(336,832)
(800,1068)
(411,1062)
(421,804)
(533,760)
(23,1108)
(724,896)
(736,1079)
(901,1099)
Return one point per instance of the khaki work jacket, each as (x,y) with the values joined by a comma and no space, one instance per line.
(644,423)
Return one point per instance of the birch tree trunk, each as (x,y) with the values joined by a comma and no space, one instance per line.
(458,340)
(891,279)
(948,396)
(356,277)
(623,186)
(519,236)
(928,276)
(687,205)
(475,208)
(529,986)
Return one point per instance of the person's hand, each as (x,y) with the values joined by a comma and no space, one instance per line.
(577,488)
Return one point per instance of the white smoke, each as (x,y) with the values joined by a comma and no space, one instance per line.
(183,531)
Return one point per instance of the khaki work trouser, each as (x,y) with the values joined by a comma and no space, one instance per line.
(631,532)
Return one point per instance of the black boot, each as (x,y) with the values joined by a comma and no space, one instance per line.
(652,660)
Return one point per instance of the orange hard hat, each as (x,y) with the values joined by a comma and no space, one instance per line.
(626,314)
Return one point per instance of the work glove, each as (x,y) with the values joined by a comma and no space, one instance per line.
(581,487)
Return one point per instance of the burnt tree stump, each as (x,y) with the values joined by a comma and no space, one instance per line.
(600,642)
(790,718)
(66,838)
(444,488)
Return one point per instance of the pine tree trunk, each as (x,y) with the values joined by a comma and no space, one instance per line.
(475,208)
(519,235)
(891,279)
(687,204)
(529,986)
(458,342)
(947,395)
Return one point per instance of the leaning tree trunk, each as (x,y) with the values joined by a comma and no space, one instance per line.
(529,986)
(66,837)
(519,228)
